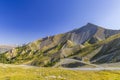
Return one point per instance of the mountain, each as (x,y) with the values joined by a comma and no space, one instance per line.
(89,45)
(4,48)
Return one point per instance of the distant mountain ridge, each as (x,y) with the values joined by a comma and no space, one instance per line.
(4,48)
(90,43)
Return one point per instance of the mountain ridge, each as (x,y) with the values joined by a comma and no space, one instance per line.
(4,48)
(88,43)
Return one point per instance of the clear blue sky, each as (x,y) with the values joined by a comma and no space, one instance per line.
(23,21)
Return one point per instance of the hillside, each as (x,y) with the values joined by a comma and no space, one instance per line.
(89,44)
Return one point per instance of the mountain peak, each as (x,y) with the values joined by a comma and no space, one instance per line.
(91,24)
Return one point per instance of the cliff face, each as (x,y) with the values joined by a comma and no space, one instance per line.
(89,43)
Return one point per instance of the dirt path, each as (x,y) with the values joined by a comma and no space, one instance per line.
(13,65)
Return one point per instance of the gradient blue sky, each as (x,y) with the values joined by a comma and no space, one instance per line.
(23,21)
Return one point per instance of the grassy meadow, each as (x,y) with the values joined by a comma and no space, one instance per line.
(32,73)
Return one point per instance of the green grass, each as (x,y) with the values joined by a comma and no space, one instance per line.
(26,73)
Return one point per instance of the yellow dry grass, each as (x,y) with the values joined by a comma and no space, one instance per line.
(31,73)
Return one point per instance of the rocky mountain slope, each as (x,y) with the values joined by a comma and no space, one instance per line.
(88,44)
